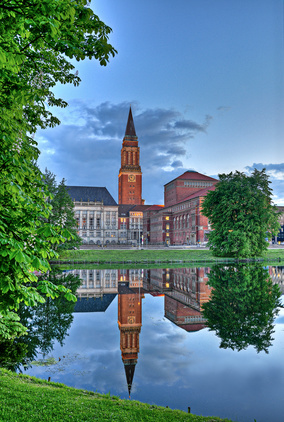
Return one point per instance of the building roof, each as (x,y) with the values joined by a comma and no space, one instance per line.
(94,304)
(155,207)
(90,193)
(124,209)
(141,208)
(197,194)
(130,129)
(193,175)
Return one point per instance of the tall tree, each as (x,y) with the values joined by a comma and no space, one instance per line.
(62,213)
(241,214)
(38,39)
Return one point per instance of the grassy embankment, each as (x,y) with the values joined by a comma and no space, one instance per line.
(26,399)
(145,257)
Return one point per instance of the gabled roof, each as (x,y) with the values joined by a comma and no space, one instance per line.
(90,193)
(193,175)
(130,129)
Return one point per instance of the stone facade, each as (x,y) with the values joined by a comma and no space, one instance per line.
(96,213)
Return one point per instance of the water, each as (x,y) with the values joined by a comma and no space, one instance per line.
(141,321)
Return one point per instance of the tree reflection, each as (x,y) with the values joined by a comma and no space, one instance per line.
(45,323)
(242,306)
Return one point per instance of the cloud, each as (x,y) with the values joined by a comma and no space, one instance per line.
(223,108)
(85,148)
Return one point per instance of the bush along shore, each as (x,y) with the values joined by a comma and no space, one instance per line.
(144,256)
(24,399)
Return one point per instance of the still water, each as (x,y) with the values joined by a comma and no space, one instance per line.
(141,333)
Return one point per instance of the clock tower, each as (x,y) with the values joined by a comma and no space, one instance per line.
(130,175)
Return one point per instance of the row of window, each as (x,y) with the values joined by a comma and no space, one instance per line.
(201,184)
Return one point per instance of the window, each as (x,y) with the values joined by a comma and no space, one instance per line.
(113,219)
(84,219)
(91,220)
(77,216)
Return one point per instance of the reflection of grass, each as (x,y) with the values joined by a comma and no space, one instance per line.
(45,362)
(26,399)
(147,257)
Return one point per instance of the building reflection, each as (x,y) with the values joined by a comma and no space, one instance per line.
(185,290)
(277,276)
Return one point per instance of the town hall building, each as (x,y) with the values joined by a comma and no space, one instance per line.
(102,221)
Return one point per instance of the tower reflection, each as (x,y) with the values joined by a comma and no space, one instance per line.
(130,297)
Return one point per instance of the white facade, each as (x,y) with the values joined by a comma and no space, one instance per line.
(97,223)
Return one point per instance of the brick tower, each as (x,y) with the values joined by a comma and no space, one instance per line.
(130,175)
(129,323)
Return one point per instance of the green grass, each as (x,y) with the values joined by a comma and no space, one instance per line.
(123,256)
(26,399)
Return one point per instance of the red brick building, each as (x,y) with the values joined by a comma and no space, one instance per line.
(182,186)
(181,220)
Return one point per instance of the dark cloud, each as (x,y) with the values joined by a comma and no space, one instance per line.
(85,148)
(273,169)
(176,164)
(193,126)
(223,108)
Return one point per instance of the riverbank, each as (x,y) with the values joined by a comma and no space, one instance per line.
(155,256)
(24,399)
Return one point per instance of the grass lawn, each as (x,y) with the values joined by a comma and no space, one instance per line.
(26,399)
(152,256)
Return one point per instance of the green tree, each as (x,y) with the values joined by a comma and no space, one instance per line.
(38,39)
(45,323)
(49,321)
(241,214)
(62,213)
(242,306)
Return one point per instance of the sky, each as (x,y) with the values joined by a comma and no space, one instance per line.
(205,81)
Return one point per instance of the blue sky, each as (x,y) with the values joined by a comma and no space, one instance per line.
(206,84)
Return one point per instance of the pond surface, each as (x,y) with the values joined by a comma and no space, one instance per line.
(141,333)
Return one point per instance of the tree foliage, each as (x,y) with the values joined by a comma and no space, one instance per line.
(38,39)
(45,323)
(242,306)
(241,214)
(62,213)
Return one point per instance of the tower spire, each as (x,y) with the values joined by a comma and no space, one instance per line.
(130,128)
(129,367)
(130,175)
